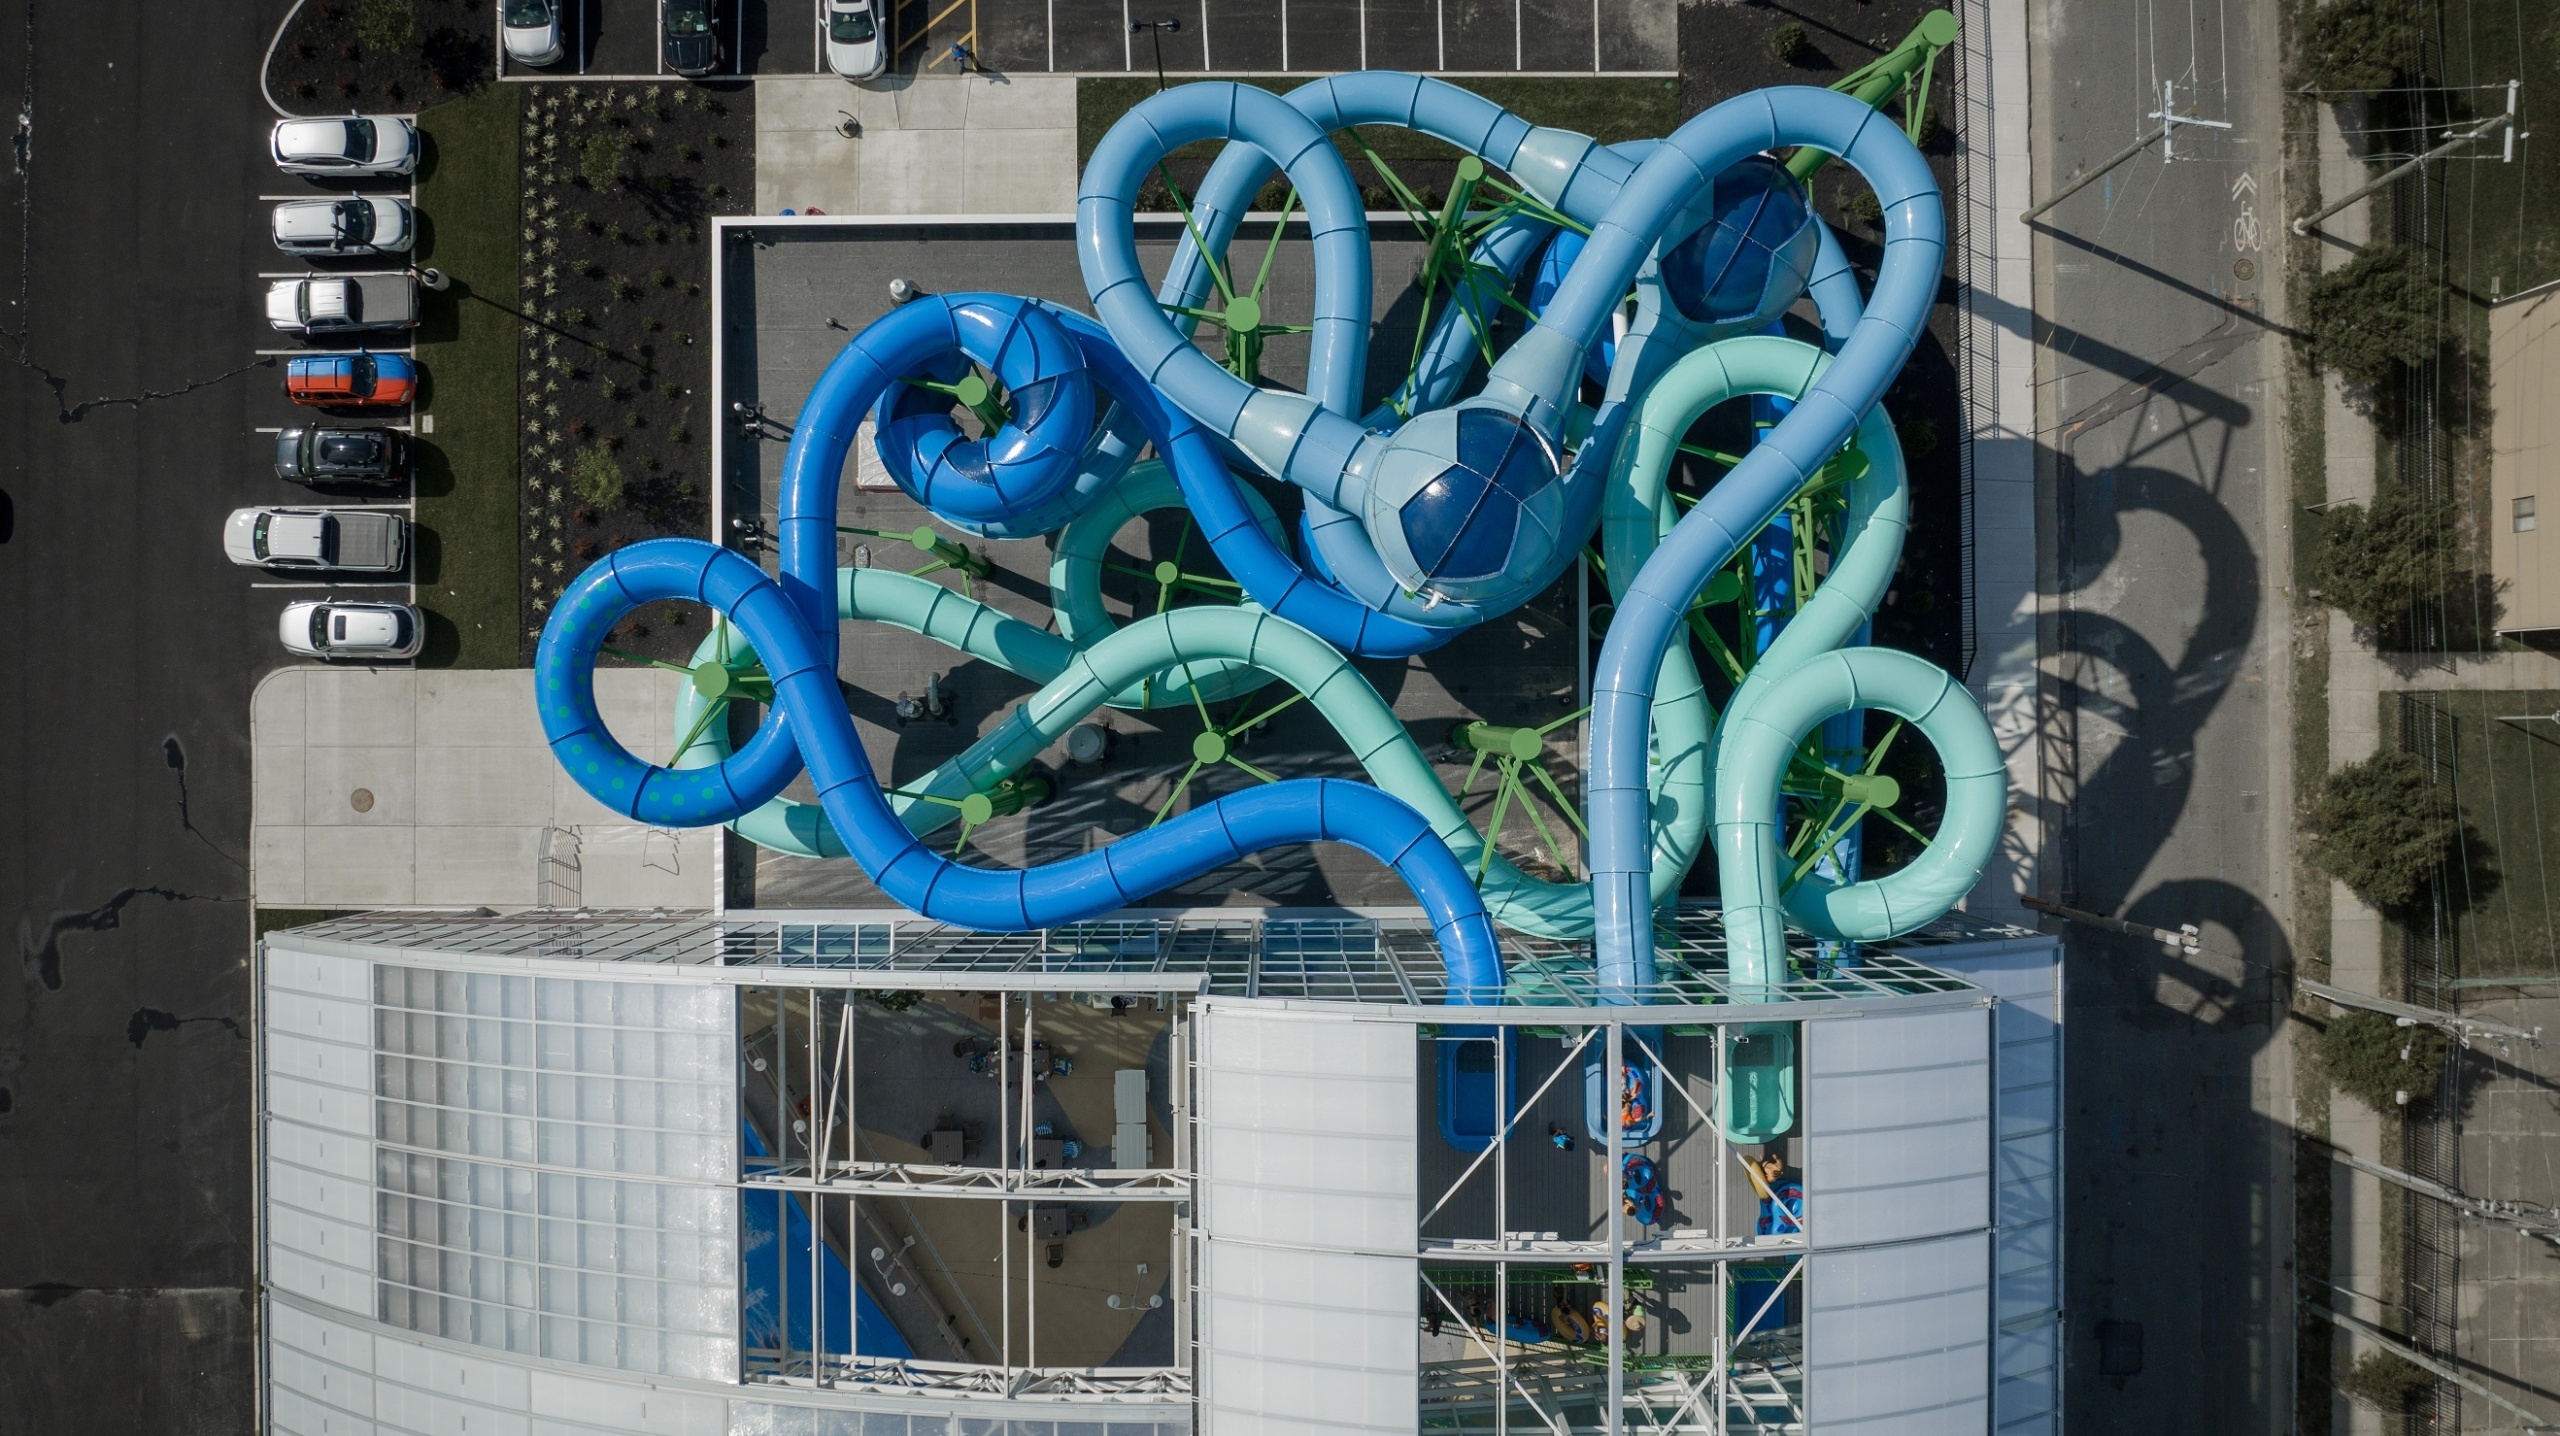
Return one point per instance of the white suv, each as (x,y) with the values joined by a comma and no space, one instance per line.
(345,145)
(334,628)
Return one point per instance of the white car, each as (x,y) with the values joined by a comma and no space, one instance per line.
(345,145)
(358,224)
(333,628)
(532,32)
(854,48)
(365,540)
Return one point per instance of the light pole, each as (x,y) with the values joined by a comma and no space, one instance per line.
(1156,31)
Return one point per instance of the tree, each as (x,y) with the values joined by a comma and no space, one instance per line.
(2359,44)
(2381,828)
(2376,559)
(2387,1380)
(597,479)
(2373,315)
(2374,1059)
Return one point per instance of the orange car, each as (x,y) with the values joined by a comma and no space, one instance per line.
(358,380)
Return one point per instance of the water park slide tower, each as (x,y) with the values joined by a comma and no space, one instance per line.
(1721,1153)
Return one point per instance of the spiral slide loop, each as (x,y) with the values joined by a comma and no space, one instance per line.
(1029,462)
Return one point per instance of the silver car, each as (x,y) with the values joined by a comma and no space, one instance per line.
(358,224)
(531,29)
(345,145)
(335,628)
(364,540)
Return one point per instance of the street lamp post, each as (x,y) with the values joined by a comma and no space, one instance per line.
(1156,31)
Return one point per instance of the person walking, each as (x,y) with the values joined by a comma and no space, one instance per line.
(964,59)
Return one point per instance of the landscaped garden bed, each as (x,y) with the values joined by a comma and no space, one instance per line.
(619,185)
(378,55)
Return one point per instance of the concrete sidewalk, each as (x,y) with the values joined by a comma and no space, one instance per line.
(930,144)
(393,788)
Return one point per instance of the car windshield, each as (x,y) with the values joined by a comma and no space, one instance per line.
(353,221)
(400,628)
(319,628)
(360,371)
(528,12)
(258,535)
(687,20)
(359,139)
(851,27)
(349,450)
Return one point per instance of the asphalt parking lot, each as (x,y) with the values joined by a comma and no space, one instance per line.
(618,39)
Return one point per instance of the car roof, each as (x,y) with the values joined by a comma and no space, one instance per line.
(317,134)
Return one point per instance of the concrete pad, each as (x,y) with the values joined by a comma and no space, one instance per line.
(478,866)
(1024,103)
(1036,168)
(277,708)
(930,144)
(461,821)
(275,857)
(361,868)
(478,787)
(456,711)
(359,707)
(333,778)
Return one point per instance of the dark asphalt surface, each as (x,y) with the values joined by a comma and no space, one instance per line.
(2159,376)
(131,647)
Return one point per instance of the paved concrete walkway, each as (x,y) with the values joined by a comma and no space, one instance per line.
(389,788)
(930,144)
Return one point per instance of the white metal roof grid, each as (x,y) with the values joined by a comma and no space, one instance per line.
(1388,958)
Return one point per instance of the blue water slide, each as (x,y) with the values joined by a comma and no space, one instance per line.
(791,625)
(774,1287)
(1649,617)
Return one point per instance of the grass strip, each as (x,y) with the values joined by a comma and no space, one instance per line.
(467,510)
(1609,108)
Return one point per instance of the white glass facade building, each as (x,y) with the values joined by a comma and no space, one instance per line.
(851,1173)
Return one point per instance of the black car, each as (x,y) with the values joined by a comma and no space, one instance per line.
(693,48)
(342,456)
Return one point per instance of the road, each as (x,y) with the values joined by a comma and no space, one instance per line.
(130,647)
(2165,563)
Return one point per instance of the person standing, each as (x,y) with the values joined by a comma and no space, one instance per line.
(1781,1196)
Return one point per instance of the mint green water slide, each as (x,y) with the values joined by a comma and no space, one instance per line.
(1803,678)
(1150,663)
(1806,676)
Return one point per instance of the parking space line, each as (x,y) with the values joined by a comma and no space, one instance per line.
(945,14)
(348,583)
